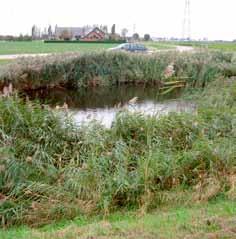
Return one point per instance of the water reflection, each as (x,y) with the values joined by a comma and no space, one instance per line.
(103,103)
(107,115)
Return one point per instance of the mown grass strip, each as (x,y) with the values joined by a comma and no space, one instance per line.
(206,220)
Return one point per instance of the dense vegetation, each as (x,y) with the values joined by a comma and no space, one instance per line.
(75,71)
(51,170)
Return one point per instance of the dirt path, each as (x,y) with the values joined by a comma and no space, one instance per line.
(12,57)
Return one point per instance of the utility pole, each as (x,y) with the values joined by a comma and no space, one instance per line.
(134,28)
(187,21)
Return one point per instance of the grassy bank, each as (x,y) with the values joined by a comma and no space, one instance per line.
(88,70)
(215,219)
(51,171)
(3,62)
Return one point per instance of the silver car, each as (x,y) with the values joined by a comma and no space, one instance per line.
(130,47)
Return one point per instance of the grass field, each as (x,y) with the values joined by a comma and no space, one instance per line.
(215,219)
(160,46)
(223,46)
(7,48)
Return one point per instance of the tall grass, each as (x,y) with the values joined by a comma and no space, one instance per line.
(50,170)
(75,71)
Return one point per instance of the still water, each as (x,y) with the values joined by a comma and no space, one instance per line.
(102,103)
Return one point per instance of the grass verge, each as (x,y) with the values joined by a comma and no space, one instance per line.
(3,62)
(215,219)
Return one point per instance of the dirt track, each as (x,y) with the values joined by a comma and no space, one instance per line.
(12,57)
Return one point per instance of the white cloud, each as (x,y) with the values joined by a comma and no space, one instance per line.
(210,18)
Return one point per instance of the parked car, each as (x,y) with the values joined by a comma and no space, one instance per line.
(130,47)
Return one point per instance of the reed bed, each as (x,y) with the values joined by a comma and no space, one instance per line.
(51,171)
(88,70)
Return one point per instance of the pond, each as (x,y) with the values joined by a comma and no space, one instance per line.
(103,103)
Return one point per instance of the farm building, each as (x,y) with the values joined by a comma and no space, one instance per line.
(96,34)
(82,33)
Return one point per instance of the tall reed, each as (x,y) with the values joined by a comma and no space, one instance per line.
(50,170)
(88,70)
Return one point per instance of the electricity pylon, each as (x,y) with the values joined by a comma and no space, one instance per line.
(186,34)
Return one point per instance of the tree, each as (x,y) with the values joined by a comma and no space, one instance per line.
(136,36)
(104,29)
(38,32)
(147,37)
(66,35)
(50,32)
(21,37)
(33,32)
(113,29)
(124,32)
(45,31)
(95,26)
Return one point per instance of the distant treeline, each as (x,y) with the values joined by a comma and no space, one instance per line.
(16,38)
(81,41)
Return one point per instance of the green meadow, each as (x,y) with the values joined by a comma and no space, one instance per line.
(34,47)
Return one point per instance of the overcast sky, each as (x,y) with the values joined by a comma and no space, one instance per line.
(214,19)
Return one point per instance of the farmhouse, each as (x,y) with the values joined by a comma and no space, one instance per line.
(80,33)
(96,34)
